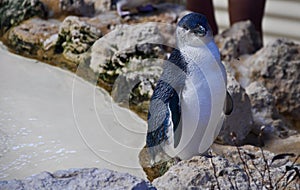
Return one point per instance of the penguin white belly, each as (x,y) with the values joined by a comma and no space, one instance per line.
(202,102)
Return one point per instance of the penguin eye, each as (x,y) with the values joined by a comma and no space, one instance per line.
(200,30)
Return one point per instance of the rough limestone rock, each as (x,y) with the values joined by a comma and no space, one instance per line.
(218,172)
(92,178)
(136,85)
(32,36)
(13,12)
(105,21)
(264,111)
(258,159)
(240,120)
(282,145)
(198,173)
(75,38)
(157,169)
(277,67)
(112,53)
(240,39)
(167,15)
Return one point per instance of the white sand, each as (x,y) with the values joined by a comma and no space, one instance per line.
(51,120)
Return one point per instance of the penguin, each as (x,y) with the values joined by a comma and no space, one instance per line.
(141,5)
(190,100)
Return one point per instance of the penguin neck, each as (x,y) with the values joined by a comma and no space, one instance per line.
(200,52)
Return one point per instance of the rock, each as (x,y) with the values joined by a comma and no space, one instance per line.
(165,16)
(218,172)
(32,36)
(260,156)
(157,169)
(240,39)
(276,66)
(128,61)
(264,111)
(89,178)
(13,12)
(105,22)
(112,53)
(198,173)
(283,145)
(75,38)
(135,86)
(240,120)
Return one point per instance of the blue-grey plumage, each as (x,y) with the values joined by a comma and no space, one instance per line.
(186,109)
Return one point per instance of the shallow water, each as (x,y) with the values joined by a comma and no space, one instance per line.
(51,120)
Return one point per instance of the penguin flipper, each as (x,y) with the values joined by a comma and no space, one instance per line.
(164,126)
(158,115)
(164,114)
(175,109)
(228,104)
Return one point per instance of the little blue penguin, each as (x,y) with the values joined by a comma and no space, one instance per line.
(142,5)
(190,100)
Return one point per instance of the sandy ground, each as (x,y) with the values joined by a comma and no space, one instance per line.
(51,120)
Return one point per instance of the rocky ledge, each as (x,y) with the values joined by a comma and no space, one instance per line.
(87,178)
(236,168)
(245,167)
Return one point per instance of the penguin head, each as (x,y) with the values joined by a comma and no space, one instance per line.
(193,30)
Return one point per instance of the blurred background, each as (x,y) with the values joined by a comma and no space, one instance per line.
(282,18)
